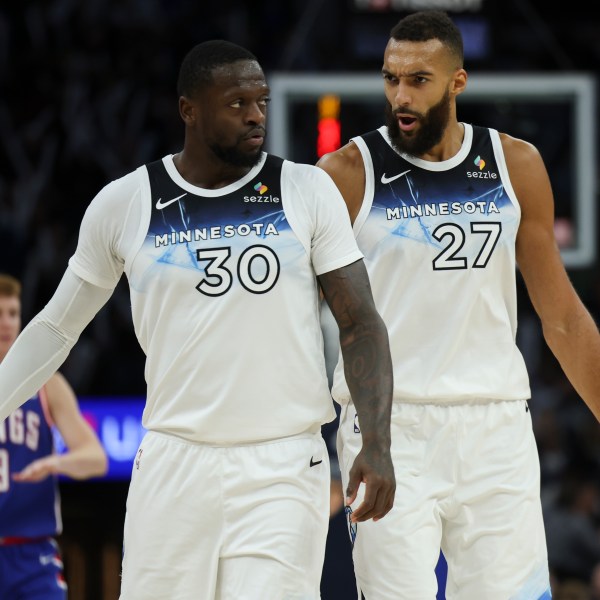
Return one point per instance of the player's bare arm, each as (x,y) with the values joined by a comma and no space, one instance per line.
(345,167)
(368,369)
(85,456)
(568,327)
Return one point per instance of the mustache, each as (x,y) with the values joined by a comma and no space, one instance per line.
(406,112)
(258,130)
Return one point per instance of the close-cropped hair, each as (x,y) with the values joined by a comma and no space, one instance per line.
(9,286)
(196,71)
(428,25)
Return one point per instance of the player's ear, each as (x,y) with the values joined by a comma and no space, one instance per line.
(459,82)
(187,110)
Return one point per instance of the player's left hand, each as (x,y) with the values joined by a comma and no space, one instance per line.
(373,467)
(38,470)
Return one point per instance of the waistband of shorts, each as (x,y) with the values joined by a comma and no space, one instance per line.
(15,540)
(476,401)
(308,434)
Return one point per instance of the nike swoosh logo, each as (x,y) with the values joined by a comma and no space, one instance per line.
(160,204)
(385,179)
(314,463)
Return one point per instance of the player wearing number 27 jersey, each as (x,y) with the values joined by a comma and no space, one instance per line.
(443,211)
(447,231)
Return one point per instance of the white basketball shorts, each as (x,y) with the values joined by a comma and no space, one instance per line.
(226,523)
(468,482)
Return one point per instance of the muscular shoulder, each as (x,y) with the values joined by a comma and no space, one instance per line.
(347,157)
(519,154)
(528,175)
(345,166)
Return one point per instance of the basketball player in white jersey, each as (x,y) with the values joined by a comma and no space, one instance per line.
(224,248)
(442,210)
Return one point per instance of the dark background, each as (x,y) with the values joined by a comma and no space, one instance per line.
(87,94)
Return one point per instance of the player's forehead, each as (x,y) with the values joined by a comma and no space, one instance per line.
(402,57)
(239,76)
(10,304)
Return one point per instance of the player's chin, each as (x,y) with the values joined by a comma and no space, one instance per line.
(252,156)
(256,152)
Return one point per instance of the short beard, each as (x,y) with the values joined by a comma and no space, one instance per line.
(234,158)
(430,133)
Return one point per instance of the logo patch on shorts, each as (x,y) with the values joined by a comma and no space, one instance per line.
(138,459)
(352,527)
(356,427)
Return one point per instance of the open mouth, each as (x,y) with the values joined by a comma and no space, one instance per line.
(406,123)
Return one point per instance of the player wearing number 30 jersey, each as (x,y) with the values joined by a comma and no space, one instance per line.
(223,292)
(225,305)
(226,250)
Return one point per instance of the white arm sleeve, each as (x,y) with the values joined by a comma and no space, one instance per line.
(47,340)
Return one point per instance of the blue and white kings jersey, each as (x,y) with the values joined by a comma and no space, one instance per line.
(439,245)
(27,510)
(224,293)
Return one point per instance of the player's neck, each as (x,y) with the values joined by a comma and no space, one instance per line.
(450,144)
(205,171)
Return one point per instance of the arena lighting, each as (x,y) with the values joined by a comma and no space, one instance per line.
(117,422)
(329,126)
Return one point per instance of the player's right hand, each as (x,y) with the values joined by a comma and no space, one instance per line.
(373,467)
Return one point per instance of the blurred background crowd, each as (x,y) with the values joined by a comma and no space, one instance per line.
(88,94)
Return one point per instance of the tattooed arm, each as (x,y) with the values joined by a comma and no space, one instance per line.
(368,370)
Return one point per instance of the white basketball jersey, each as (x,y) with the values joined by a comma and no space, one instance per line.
(224,295)
(439,245)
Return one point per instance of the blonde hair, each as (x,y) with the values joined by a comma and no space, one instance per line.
(9,286)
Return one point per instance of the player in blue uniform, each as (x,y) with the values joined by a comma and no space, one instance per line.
(442,211)
(30,518)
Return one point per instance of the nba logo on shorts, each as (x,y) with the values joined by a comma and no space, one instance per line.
(356,427)
(139,457)
(352,527)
